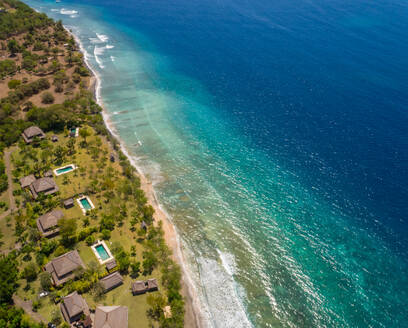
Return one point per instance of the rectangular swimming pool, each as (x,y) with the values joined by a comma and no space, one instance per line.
(65,169)
(85,203)
(103,254)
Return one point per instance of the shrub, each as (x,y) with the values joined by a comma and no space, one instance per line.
(13,84)
(105,234)
(30,272)
(47,98)
(45,281)
(90,240)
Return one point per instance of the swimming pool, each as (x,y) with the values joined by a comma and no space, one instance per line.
(64,169)
(103,254)
(85,204)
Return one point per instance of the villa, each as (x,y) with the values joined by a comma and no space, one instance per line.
(111,317)
(111,281)
(27,181)
(48,223)
(32,132)
(44,185)
(141,287)
(62,267)
(73,307)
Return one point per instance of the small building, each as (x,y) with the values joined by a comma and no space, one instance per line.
(111,317)
(111,281)
(54,138)
(27,181)
(111,265)
(152,285)
(139,287)
(48,223)
(73,307)
(62,267)
(68,203)
(32,132)
(48,174)
(43,185)
(167,312)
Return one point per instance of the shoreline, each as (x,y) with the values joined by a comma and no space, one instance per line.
(192,318)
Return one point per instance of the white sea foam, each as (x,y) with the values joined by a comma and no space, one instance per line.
(222,299)
(55,10)
(97,52)
(64,11)
(112,58)
(102,37)
(109,46)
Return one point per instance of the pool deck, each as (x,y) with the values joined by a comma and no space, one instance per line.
(102,242)
(74,167)
(84,210)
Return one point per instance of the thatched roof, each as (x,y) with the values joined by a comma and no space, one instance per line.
(152,285)
(46,185)
(111,317)
(30,133)
(48,174)
(111,265)
(61,268)
(72,307)
(111,281)
(138,287)
(27,181)
(69,202)
(49,220)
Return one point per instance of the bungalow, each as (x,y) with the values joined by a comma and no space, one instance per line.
(74,307)
(111,265)
(141,287)
(54,138)
(111,316)
(48,223)
(32,132)
(44,185)
(138,287)
(68,203)
(111,281)
(27,181)
(62,267)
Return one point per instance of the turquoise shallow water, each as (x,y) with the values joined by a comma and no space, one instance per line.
(275,135)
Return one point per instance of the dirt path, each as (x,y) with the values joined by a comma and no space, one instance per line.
(27,307)
(7,163)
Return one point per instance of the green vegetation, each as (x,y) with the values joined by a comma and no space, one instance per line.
(48,87)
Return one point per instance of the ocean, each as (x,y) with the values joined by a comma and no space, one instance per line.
(275,134)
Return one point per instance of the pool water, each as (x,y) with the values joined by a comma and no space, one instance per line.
(65,169)
(103,254)
(85,204)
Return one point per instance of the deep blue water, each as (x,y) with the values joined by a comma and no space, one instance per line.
(277,135)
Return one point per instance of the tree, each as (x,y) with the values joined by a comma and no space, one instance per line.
(13,84)
(30,272)
(68,229)
(84,133)
(13,47)
(8,278)
(47,98)
(45,281)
